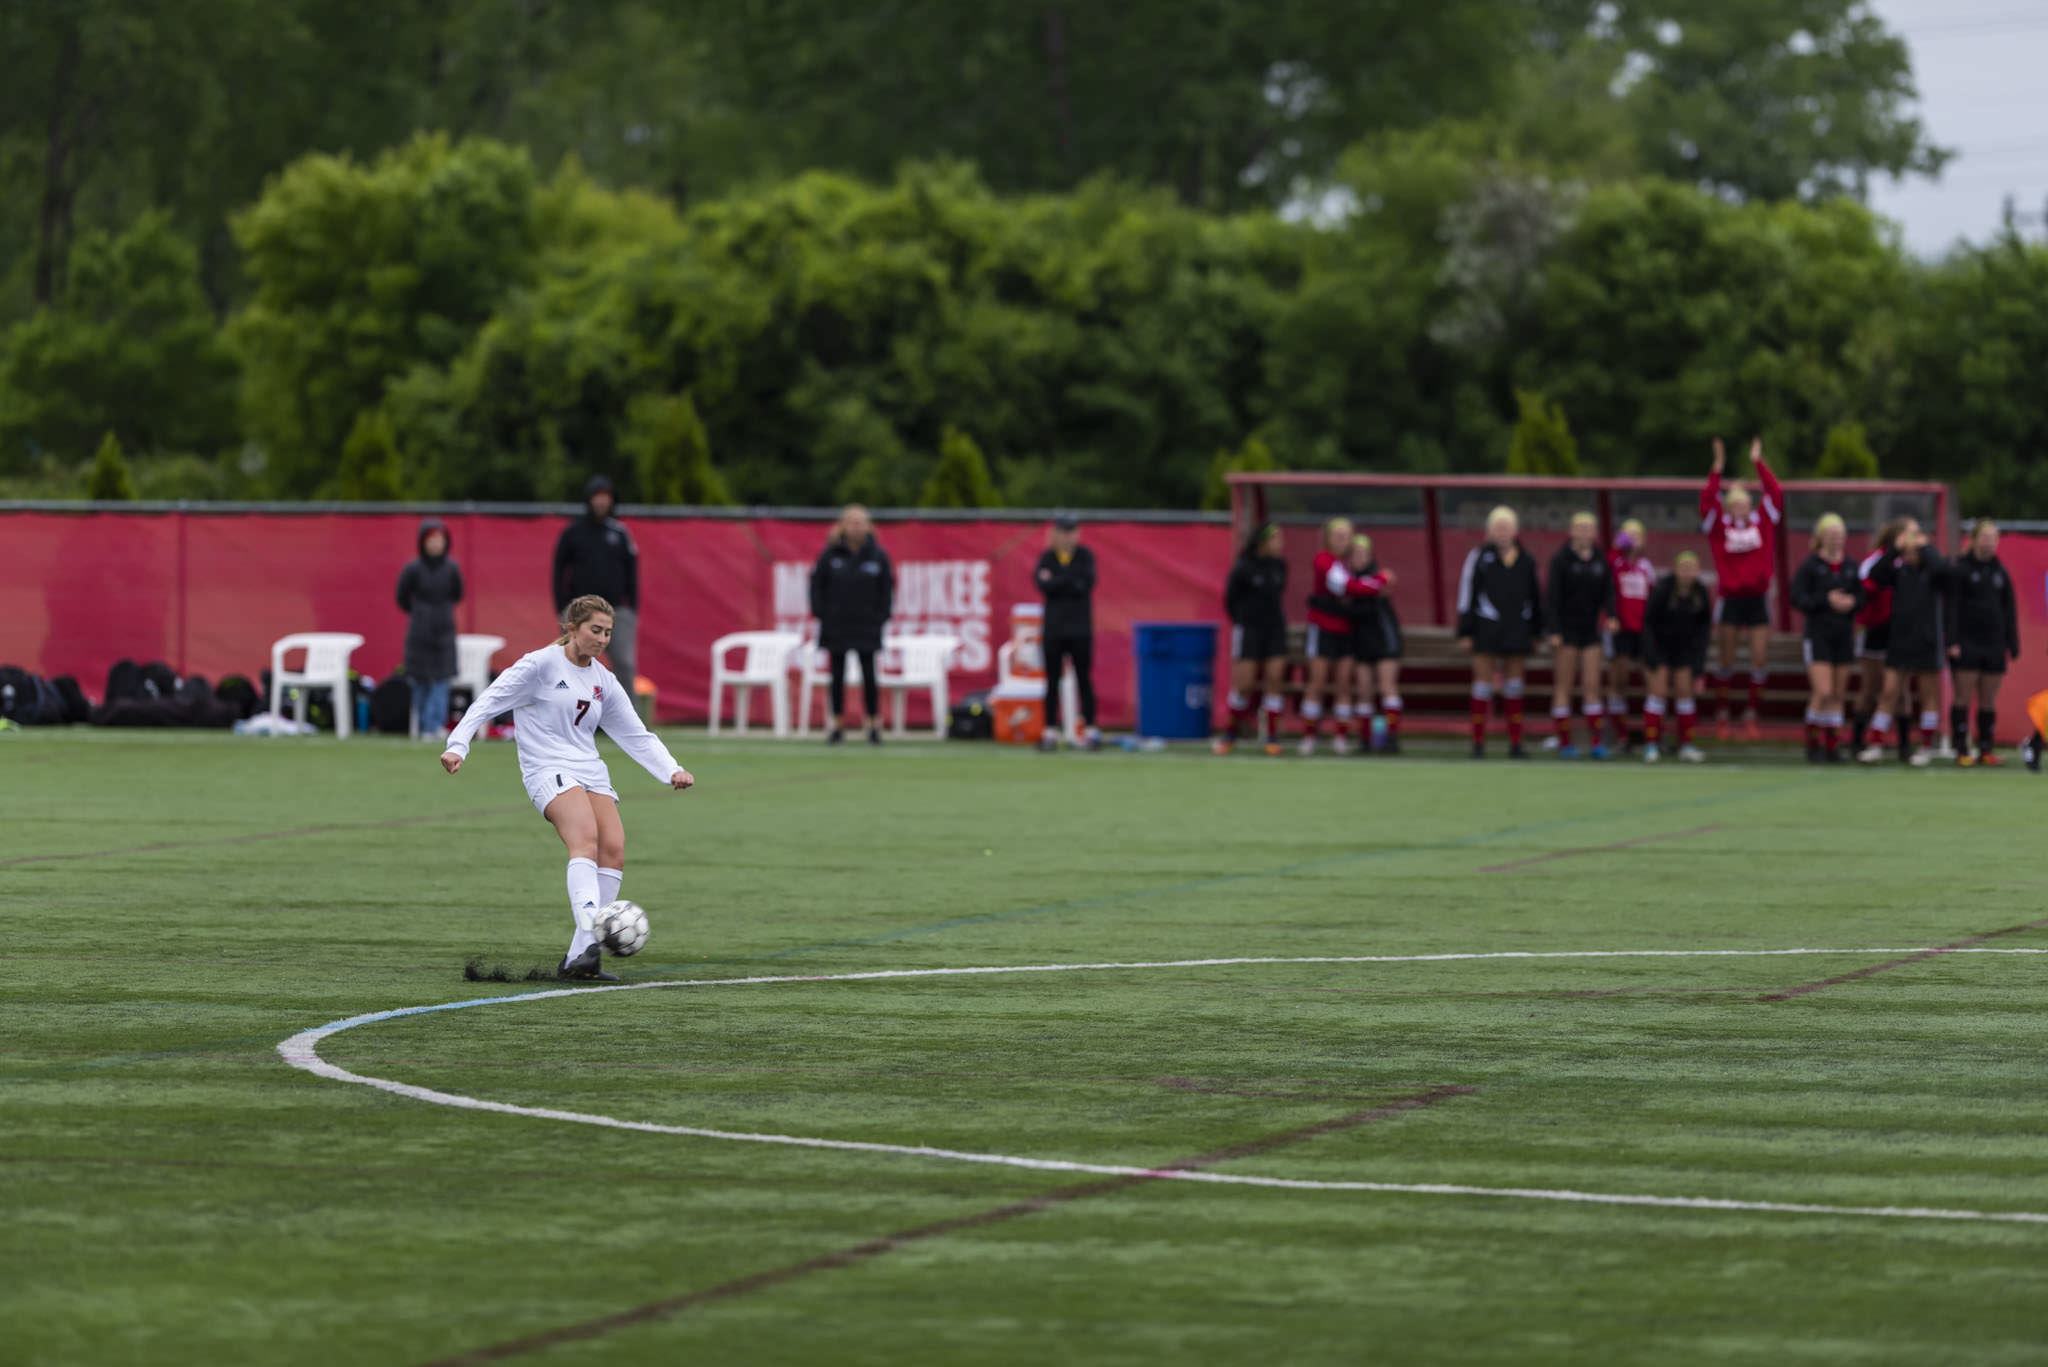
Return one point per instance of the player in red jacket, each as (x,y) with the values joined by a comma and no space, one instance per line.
(1742,532)
(1873,632)
(1328,643)
(1634,577)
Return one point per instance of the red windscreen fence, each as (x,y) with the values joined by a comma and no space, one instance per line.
(209,591)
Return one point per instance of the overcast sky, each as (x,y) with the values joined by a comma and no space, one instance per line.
(1982,67)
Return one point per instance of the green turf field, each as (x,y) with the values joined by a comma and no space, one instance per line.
(172,1191)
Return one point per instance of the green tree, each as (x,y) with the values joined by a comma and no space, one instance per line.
(1253,455)
(1543,442)
(109,479)
(1847,454)
(961,478)
(671,452)
(1764,99)
(1970,408)
(365,272)
(370,469)
(1667,314)
(131,349)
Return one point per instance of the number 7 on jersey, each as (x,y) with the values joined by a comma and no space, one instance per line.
(582,706)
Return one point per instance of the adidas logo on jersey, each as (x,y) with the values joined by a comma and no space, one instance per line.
(561,683)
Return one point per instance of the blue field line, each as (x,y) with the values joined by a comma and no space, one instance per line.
(1280,871)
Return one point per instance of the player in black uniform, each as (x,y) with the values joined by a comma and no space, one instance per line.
(1985,624)
(1678,621)
(1500,619)
(1828,588)
(1580,610)
(1255,598)
(1376,649)
(1917,577)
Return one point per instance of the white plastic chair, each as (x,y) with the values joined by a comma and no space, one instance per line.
(327,657)
(765,664)
(917,662)
(1010,684)
(814,672)
(472,668)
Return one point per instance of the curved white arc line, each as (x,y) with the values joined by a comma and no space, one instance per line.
(302,1051)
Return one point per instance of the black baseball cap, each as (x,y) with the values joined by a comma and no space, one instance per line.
(1066,522)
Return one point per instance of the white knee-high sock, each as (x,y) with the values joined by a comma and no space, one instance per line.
(608,881)
(583,903)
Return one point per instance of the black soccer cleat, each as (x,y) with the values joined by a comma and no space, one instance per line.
(1517,752)
(584,968)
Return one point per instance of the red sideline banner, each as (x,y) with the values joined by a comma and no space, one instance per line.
(208,592)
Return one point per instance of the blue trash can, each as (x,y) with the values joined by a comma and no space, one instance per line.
(1176,678)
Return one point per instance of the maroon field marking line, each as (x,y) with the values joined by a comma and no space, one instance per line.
(1596,849)
(1840,978)
(889,1243)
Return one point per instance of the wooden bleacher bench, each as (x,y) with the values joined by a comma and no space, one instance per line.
(1436,676)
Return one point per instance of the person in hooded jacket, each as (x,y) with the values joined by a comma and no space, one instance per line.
(428,590)
(853,592)
(1984,633)
(596,557)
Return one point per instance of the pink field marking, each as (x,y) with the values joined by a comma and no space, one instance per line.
(1918,956)
(1597,849)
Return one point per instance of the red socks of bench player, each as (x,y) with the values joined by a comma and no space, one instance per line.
(1688,716)
(1482,703)
(1653,720)
(1511,700)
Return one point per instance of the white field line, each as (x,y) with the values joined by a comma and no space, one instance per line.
(302,1051)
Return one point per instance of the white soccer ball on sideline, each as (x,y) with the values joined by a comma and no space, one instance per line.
(622,929)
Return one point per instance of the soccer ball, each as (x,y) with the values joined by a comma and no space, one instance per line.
(622,928)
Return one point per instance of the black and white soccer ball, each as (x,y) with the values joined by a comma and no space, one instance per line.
(622,929)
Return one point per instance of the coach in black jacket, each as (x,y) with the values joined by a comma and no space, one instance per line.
(1066,576)
(853,591)
(596,555)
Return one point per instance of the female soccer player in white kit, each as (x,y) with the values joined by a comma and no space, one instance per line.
(559,696)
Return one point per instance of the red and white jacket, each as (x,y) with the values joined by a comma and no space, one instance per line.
(1329,585)
(1745,549)
(1877,599)
(1633,580)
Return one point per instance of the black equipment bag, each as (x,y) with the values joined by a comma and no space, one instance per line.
(391,706)
(970,719)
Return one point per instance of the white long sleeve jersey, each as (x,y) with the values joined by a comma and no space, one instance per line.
(556,710)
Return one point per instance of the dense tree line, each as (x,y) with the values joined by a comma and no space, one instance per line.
(786,251)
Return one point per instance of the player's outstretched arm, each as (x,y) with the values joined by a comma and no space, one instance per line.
(619,721)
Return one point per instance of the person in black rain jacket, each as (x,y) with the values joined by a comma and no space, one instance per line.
(1580,608)
(1918,579)
(596,555)
(1828,589)
(1678,621)
(853,592)
(1254,598)
(1066,576)
(428,590)
(1986,625)
(1500,618)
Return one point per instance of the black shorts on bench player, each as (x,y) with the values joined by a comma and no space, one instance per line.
(1500,617)
(1742,533)
(1580,609)
(1255,600)
(1984,620)
(1828,589)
